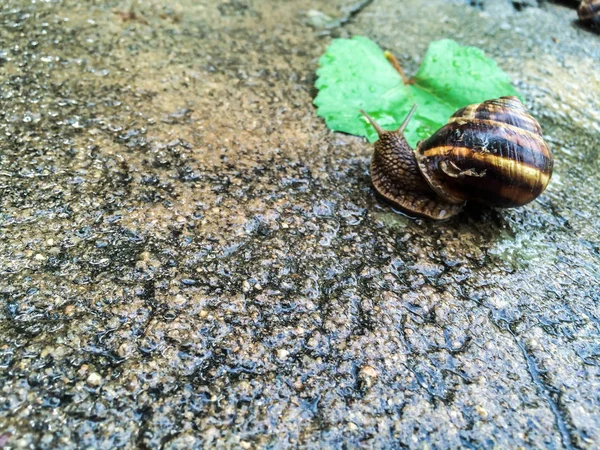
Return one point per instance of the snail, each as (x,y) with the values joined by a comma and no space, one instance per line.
(492,153)
(589,12)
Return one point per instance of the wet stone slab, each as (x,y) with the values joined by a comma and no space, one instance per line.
(189,258)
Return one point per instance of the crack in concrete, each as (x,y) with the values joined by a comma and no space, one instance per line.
(351,13)
(545,390)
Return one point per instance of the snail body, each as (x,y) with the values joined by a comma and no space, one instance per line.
(589,12)
(492,153)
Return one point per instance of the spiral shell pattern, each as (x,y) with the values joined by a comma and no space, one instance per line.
(491,153)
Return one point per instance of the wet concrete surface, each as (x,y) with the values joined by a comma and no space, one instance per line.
(189,258)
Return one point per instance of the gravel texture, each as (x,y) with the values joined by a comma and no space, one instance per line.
(189,258)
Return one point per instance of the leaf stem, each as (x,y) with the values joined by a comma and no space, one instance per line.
(394,62)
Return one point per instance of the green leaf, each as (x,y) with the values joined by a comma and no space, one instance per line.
(354,74)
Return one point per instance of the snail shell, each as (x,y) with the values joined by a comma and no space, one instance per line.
(491,153)
(589,11)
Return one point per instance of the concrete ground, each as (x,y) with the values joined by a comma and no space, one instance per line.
(189,258)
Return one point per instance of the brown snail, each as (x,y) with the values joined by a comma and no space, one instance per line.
(589,12)
(491,153)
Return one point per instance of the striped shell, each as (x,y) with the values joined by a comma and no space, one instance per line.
(491,153)
(589,11)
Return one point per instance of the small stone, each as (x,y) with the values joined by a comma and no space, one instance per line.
(245,286)
(125,350)
(481,411)
(369,375)
(47,439)
(245,445)
(282,354)
(82,370)
(317,19)
(369,371)
(179,300)
(94,379)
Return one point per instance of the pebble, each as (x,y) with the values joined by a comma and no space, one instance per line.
(94,379)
